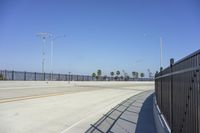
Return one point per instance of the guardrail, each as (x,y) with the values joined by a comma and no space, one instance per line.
(35,76)
(177,90)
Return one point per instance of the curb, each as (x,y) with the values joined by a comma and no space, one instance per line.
(159,119)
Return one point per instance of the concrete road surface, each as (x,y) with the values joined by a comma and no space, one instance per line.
(59,107)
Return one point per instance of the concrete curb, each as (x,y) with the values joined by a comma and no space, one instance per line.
(160,122)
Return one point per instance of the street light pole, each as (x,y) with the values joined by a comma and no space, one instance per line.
(43,36)
(161,52)
(52,59)
(53,38)
(43,53)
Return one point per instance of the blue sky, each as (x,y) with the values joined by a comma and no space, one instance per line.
(100,34)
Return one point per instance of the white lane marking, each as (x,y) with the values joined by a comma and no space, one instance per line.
(24,87)
(88,116)
(6,100)
(93,114)
(32,97)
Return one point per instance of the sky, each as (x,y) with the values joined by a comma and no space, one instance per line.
(109,35)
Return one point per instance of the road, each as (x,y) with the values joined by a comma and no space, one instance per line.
(60,107)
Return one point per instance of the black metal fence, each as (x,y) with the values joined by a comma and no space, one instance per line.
(35,76)
(177,90)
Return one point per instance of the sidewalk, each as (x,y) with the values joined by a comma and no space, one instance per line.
(134,115)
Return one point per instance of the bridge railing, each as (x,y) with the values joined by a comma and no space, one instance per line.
(177,90)
(36,76)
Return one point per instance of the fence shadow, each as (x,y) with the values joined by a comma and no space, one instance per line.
(134,115)
(145,122)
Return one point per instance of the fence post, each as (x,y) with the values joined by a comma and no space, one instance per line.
(156,86)
(44,77)
(13,75)
(5,75)
(35,76)
(51,76)
(71,77)
(24,75)
(161,89)
(58,77)
(171,95)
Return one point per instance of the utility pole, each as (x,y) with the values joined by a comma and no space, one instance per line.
(161,52)
(43,36)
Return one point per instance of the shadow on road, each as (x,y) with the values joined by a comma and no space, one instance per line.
(134,115)
(145,122)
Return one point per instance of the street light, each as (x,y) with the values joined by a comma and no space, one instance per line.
(53,38)
(43,36)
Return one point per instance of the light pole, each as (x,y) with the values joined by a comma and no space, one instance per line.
(161,52)
(43,36)
(53,38)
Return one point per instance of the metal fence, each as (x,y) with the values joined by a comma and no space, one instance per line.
(35,76)
(177,90)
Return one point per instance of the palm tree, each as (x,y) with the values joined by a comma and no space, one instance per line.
(112,74)
(94,75)
(99,73)
(142,75)
(135,74)
(118,73)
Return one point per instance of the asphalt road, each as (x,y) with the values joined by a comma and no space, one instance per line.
(60,107)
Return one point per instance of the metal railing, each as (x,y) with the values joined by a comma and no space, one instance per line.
(35,76)
(177,90)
